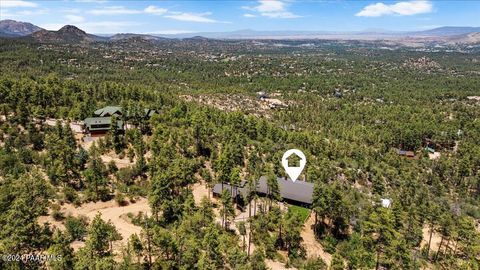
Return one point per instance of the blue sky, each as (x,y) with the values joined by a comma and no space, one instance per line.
(169,17)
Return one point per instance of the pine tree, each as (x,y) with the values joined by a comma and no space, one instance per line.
(242,229)
(227,211)
(273,190)
(100,237)
(62,252)
(95,176)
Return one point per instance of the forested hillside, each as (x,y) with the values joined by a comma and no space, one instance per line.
(353,109)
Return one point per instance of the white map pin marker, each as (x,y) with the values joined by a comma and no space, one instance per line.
(294,172)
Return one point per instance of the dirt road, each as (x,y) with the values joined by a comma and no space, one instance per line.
(111,211)
(313,247)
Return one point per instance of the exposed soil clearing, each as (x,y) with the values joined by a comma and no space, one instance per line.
(110,211)
(120,163)
(312,246)
(436,239)
(199,191)
(274,265)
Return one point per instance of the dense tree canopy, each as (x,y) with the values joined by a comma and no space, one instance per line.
(350,139)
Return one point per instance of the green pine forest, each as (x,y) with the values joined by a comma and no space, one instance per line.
(350,107)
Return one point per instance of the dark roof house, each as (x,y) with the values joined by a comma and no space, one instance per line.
(410,154)
(337,93)
(299,192)
(237,190)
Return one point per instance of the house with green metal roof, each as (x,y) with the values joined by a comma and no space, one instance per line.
(430,149)
(109,111)
(100,125)
(101,122)
(118,112)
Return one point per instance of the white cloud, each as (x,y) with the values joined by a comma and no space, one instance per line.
(114,10)
(16,3)
(248,15)
(191,17)
(272,9)
(155,10)
(270,6)
(400,8)
(280,15)
(70,10)
(181,16)
(24,15)
(74,18)
(32,12)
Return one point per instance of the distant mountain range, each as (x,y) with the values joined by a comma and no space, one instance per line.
(365,35)
(448,31)
(72,34)
(11,28)
(123,36)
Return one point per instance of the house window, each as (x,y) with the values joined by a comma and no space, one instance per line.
(101,126)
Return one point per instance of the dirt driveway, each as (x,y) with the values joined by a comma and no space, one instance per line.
(110,211)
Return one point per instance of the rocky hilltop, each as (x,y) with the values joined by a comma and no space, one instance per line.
(66,34)
(11,28)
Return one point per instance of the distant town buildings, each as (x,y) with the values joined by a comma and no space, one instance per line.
(262,95)
(338,93)
(405,153)
(477,98)
(273,103)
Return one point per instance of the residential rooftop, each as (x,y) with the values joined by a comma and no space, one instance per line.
(100,123)
(298,191)
(108,111)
